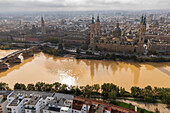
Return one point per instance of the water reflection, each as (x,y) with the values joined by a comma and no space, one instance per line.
(103,68)
(50,69)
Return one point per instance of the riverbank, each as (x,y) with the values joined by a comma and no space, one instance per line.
(114,56)
(104,91)
(91,56)
(107,92)
(13,46)
(128,58)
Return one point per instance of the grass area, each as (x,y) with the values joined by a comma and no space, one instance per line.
(129,106)
(140,100)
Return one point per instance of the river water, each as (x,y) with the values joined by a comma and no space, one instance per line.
(49,69)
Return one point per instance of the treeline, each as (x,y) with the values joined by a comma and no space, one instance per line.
(149,94)
(52,40)
(104,91)
(120,58)
(13,41)
(53,51)
(15,46)
(89,55)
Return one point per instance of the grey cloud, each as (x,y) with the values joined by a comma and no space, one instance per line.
(65,5)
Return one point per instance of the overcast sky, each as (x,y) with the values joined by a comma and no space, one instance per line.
(77,5)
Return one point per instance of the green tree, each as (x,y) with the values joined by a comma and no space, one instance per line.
(25,46)
(3,86)
(60,46)
(135,91)
(148,94)
(54,51)
(40,86)
(152,52)
(52,40)
(89,53)
(48,87)
(84,47)
(66,44)
(30,87)
(166,98)
(122,91)
(107,55)
(107,88)
(142,111)
(57,86)
(1,47)
(112,95)
(130,106)
(19,86)
(7,46)
(77,92)
(88,90)
(77,51)
(63,88)
(113,56)
(96,87)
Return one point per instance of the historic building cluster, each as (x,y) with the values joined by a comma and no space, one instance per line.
(115,40)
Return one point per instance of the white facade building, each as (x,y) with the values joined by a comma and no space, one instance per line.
(38,102)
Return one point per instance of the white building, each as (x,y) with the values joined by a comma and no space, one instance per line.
(38,102)
(26,101)
(60,103)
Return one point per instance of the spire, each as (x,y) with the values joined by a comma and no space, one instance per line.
(42,19)
(144,22)
(117,24)
(42,26)
(98,18)
(92,20)
(141,19)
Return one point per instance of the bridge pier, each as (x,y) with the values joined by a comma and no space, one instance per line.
(14,60)
(13,57)
(27,54)
(3,66)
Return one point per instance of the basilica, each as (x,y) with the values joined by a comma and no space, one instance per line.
(115,41)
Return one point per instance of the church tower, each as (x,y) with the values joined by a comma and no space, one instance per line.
(43,26)
(98,26)
(141,33)
(117,31)
(92,34)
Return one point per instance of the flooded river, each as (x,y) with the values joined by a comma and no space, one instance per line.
(49,69)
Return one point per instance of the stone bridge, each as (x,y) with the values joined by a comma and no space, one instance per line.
(13,57)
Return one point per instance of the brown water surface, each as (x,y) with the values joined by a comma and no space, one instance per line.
(49,69)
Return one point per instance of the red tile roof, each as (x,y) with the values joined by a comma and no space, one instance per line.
(33,39)
(118,108)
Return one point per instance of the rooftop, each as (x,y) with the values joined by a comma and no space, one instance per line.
(29,94)
(33,101)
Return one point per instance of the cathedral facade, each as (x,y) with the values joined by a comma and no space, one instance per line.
(115,41)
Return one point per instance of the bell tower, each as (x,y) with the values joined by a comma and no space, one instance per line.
(98,26)
(43,26)
(92,34)
(141,33)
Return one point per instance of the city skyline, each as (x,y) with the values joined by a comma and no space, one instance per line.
(81,5)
